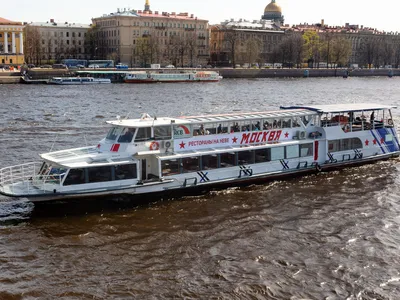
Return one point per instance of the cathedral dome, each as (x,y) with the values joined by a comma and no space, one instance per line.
(273,7)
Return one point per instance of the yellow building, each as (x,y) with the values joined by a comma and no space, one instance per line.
(11,42)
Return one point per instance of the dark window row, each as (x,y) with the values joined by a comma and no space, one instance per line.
(230,159)
(101,174)
(344,144)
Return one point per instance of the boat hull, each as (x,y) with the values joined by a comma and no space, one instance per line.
(164,190)
(163,81)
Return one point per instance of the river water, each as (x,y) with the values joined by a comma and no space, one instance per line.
(333,235)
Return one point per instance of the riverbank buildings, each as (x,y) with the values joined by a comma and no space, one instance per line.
(51,41)
(11,42)
(243,42)
(369,47)
(269,42)
(139,38)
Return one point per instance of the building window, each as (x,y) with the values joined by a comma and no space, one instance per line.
(67,34)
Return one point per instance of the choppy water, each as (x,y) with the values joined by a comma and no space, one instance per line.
(328,236)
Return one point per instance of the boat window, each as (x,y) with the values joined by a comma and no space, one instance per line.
(245,125)
(277,153)
(125,172)
(228,160)
(267,124)
(162,133)
(344,144)
(356,143)
(334,145)
(75,176)
(245,157)
(209,162)
(287,123)
(234,127)
(99,174)
(113,133)
(126,135)
(222,128)
(143,134)
(190,164)
(199,129)
(306,149)
(256,125)
(292,151)
(296,122)
(211,128)
(170,167)
(262,155)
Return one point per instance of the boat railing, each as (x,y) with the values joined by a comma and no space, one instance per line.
(26,175)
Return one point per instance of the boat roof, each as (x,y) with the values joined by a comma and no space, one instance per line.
(337,108)
(150,121)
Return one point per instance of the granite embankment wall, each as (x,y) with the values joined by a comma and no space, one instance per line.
(279,73)
(14,77)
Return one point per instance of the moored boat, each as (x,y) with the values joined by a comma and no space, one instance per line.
(153,155)
(187,76)
(78,80)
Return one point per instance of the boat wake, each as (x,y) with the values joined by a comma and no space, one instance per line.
(14,211)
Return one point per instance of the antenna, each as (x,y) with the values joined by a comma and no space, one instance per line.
(84,136)
(51,148)
(127,115)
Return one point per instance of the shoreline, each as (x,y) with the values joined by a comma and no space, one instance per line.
(228,73)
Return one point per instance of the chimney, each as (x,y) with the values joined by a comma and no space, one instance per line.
(322,22)
(51,20)
(191,16)
(156,12)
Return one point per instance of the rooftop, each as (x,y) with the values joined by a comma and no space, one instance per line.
(255,24)
(8,22)
(154,14)
(52,23)
(337,108)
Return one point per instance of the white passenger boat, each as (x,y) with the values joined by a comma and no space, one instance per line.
(78,80)
(167,155)
(156,77)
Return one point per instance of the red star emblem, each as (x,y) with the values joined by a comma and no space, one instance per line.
(382,140)
(182,145)
(374,141)
(366,142)
(286,135)
(234,140)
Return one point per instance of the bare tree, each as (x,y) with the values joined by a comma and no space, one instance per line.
(369,51)
(341,51)
(32,48)
(232,39)
(253,50)
(387,52)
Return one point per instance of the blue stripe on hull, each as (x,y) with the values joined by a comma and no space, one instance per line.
(391,145)
(378,140)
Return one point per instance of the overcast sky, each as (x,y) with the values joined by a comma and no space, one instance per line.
(382,14)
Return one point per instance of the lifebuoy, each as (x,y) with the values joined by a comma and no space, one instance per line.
(318,168)
(390,122)
(346,128)
(154,146)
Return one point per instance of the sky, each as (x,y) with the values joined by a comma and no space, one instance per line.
(382,14)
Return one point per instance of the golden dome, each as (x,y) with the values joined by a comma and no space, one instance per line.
(273,7)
